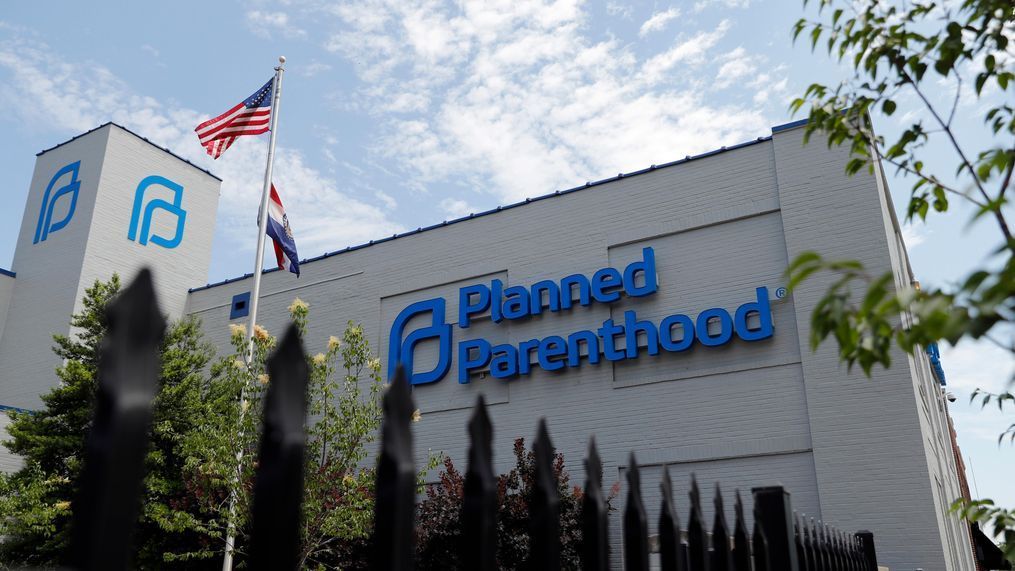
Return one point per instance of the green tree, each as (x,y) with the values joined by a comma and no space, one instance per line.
(338,504)
(344,405)
(906,52)
(185,356)
(37,500)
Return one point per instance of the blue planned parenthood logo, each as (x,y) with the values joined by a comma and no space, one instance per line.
(402,349)
(175,208)
(614,341)
(46,225)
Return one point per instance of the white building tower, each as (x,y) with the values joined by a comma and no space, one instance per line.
(107,201)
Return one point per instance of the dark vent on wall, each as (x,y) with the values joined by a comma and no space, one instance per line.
(240,306)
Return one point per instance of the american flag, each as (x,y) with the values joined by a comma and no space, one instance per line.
(251,117)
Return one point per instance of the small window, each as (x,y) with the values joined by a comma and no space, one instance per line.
(241,305)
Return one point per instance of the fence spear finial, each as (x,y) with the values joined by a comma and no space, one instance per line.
(544,513)
(741,543)
(798,541)
(759,543)
(105,510)
(278,485)
(722,559)
(479,507)
(395,503)
(671,553)
(697,542)
(595,539)
(635,522)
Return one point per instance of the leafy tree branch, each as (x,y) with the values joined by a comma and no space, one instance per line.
(902,52)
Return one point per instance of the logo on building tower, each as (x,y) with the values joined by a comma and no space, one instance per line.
(174,208)
(401,348)
(46,226)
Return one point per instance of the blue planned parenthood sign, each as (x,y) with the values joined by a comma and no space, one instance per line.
(615,340)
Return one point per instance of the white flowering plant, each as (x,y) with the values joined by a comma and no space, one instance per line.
(344,404)
(344,416)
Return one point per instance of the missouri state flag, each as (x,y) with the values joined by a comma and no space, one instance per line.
(282,235)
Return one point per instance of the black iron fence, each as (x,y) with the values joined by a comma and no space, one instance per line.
(107,507)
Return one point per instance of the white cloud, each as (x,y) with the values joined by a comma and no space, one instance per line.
(312,69)
(151,49)
(45,92)
(388,200)
(619,9)
(353,168)
(736,65)
(690,51)
(265,24)
(702,5)
(914,234)
(766,87)
(965,368)
(517,97)
(456,208)
(658,21)
(978,364)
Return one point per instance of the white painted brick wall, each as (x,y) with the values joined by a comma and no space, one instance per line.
(852,450)
(6,292)
(47,286)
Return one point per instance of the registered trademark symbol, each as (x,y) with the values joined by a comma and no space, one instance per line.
(780,293)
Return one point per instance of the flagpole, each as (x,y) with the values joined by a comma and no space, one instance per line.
(255,293)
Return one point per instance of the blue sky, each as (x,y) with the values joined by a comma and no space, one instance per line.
(401,113)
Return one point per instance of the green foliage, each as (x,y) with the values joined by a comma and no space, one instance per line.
(51,441)
(38,498)
(891,48)
(338,499)
(344,403)
(1001,520)
(864,326)
(209,470)
(903,52)
(176,412)
(199,424)
(438,537)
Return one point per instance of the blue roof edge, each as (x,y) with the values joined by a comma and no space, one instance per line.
(421,229)
(4,407)
(145,139)
(788,126)
(9,273)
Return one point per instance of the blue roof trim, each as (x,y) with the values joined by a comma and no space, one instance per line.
(556,193)
(788,126)
(145,139)
(4,407)
(935,363)
(4,272)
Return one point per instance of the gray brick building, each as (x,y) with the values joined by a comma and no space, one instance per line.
(721,396)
